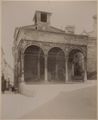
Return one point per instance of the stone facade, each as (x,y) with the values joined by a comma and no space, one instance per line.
(92,51)
(92,55)
(50,40)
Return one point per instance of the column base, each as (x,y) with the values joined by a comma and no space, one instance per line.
(21,86)
(85,78)
(46,81)
(85,81)
(67,82)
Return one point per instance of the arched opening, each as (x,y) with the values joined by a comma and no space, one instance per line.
(76,67)
(56,65)
(33,64)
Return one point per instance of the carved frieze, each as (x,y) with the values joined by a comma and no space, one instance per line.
(46,46)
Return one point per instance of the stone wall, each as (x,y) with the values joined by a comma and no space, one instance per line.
(92,55)
(52,37)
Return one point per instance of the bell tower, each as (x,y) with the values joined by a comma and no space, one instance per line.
(42,19)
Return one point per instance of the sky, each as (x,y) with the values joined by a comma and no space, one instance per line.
(16,14)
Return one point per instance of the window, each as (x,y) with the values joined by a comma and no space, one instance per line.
(43,17)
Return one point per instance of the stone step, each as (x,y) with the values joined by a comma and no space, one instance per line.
(49,89)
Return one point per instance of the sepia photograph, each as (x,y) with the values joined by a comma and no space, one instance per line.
(49,60)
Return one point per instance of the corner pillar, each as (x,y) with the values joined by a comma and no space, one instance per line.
(22,68)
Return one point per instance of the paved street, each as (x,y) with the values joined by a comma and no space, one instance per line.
(70,101)
(78,104)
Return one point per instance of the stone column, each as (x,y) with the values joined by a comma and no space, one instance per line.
(38,67)
(85,69)
(66,69)
(22,68)
(72,69)
(46,70)
(22,89)
(56,68)
(56,71)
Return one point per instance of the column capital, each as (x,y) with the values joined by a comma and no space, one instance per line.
(66,57)
(45,49)
(66,52)
(46,55)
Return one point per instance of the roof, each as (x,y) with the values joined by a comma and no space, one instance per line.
(48,29)
(38,11)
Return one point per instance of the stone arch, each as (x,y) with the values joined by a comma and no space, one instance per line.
(33,64)
(56,65)
(78,48)
(31,44)
(76,64)
(56,46)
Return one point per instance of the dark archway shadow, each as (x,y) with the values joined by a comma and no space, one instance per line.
(33,64)
(56,65)
(76,65)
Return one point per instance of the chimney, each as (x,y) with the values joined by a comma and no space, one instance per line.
(70,29)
